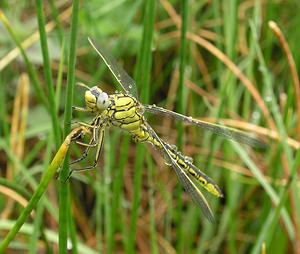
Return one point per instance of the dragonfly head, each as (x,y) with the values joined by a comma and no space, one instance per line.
(96,99)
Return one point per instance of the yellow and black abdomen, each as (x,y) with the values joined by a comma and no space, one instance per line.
(186,164)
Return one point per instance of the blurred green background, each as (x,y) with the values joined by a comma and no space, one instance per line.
(230,67)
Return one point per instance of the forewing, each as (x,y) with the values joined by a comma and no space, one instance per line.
(126,82)
(220,130)
(187,183)
(193,191)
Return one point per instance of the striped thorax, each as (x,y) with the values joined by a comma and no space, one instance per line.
(120,110)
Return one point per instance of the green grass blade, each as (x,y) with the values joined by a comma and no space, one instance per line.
(152,226)
(60,75)
(32,73)
(51,235)
(99,211)
(46,178)
(48,73)
(25,176)
(267,187)
(272,220)
(4,127)
(181,103)
(109,165)
(118,184)
(144,65)
(59,29)
(268,229)
(143,78)
(182,63)
(15,188)
(38,223)
(138,169)
(64,197)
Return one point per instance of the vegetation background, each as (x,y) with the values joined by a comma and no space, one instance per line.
(233,65)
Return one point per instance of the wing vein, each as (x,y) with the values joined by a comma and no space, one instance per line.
(220,130)
(187,183)
(126,82)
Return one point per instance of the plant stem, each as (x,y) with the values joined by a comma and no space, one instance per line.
(47,73)
(64,197)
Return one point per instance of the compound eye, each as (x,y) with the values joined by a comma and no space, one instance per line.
(95,91)
(102,101)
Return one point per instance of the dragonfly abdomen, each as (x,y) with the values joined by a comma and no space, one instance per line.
(202,178)
(144,135)
(207,182)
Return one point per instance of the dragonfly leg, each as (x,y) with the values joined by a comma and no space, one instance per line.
(86,125)
(93,142)
(96,123)
(78,136)
(99,142)
(85,153)
(80,109)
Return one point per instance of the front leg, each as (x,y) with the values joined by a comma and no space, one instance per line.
(92,143)
(100,138)
(80,109)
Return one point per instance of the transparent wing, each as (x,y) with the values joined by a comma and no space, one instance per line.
(187,183)
(220,130)
(126,82)
(194,192)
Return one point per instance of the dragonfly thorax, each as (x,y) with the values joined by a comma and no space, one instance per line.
(96,99)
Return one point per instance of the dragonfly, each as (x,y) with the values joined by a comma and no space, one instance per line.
(123,110)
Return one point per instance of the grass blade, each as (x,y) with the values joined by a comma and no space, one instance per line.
(64,197)
(33,75)
(181,103)
(47,73)
(46,178)
(143,77)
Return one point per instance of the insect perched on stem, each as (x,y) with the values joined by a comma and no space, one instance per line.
(123,110)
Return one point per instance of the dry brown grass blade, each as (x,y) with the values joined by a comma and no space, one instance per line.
(15,126)
(14,197)
(171,96)
(245,126)
(165,245)
(247,173)
(19,117)
(78,73)
(203,68)
(24,81)
(292,66)
(224,59)
(17,133)
(191,85)
(238,73)
(172,12)
(295,78)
